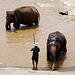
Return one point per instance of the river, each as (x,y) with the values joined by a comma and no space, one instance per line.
(15,46)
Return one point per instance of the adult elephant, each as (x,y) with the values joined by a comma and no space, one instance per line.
(23,15)
(56,45)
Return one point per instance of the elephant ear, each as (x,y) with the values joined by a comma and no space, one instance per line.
(7,13)
(11,13)
(15,18)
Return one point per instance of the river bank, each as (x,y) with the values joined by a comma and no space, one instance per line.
(24,71)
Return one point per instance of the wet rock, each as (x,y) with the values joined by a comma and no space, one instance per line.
(63,13)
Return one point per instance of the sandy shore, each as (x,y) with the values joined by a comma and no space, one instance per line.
(23,71)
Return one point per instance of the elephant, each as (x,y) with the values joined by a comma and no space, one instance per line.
(56,45)
(22,15)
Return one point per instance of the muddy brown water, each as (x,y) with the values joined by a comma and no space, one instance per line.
(15,46)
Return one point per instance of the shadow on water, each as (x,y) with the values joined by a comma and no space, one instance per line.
(59,63)
(71,68)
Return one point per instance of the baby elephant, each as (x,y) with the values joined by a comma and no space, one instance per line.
(56,44)
(23,15)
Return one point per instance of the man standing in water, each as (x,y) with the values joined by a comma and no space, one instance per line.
(35,55)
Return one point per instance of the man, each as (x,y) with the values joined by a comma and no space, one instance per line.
(35,55)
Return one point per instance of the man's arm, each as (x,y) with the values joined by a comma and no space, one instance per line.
(38,49)
(32,49)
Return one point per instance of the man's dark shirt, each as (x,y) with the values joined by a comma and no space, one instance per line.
(35,50)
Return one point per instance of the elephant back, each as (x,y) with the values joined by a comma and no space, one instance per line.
(35,13)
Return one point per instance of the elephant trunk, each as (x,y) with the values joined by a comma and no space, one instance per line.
(53,62)
(53,52)
(7,25)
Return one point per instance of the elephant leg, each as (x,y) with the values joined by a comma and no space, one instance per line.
(16,25)
(8,27)
(30,24)
(48,52)
(65,50)
(36,23)
(48,56)
(57,56)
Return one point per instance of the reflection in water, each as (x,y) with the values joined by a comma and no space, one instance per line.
(70,68)
(22,34)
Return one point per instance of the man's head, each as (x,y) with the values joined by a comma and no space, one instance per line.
(36,44)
